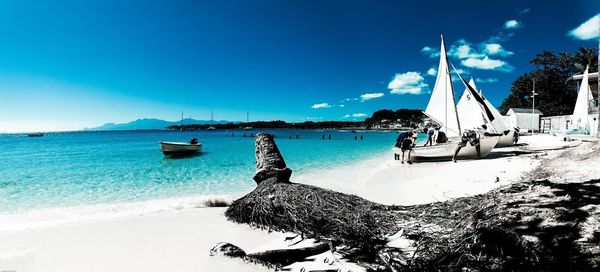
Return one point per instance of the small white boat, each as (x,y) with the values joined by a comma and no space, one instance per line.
(443,110)
(180,148)
(211,128)
(445,151)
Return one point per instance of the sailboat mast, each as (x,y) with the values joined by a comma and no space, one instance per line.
(448,78)
(248,116)
(181,128)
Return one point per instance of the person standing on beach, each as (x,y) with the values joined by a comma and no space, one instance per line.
(398,144)
(407,145)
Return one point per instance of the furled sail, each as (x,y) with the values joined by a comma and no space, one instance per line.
(441,106)
(579,119)
(469,111)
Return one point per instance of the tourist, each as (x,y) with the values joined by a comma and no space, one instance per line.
(430,132)
(472,137)
(439,136)
(398,144)
(407,145)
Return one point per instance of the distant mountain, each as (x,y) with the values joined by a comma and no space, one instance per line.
(152,123)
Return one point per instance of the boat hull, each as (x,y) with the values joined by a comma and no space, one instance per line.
(506,140)
(445,151)
(175,148)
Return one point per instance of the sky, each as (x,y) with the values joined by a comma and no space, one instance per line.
(66,65)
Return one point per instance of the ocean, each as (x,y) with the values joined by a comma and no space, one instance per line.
(79,169)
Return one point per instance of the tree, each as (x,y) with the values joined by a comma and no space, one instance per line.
(555,96)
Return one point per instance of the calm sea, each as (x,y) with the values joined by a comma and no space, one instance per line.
(86,168)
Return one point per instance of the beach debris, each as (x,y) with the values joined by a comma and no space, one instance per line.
(275,258)
(270,165)
(227,249)
(533,225)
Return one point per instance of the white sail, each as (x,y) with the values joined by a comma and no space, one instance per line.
(441,105)
(470,113)
(499,122)
(579,119)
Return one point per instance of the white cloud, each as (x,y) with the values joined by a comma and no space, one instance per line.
(463,49)
(350,99)
(486,80)
(321,106)
(369,96)
(431,52)
(496,49)
(407,83)
(487,63)
(313,118)
(587,30)
(326,105)
(524,11)
(512,24)
(355,115)
(432,71)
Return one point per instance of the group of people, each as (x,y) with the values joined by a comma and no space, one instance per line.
(407,140)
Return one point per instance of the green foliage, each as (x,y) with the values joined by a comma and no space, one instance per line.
(407,117)
(555,96)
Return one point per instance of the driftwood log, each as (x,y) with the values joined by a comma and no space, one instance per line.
(489,232)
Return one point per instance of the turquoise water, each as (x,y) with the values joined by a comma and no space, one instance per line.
(84,168)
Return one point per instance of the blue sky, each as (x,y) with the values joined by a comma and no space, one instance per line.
(66,65)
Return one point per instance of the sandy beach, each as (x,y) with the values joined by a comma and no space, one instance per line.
(180,239)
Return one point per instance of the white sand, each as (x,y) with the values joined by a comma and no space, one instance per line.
(180,240)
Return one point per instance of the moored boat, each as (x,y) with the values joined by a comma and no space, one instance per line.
(180,148)
(39,134)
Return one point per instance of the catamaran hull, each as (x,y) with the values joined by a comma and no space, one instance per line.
(173,148)
(442,152)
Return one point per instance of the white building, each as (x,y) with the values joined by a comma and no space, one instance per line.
(524,119)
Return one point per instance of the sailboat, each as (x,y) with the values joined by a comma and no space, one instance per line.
(211,121)
(579,120)
(442,109)
(501,126)
(472,115)
(248,121)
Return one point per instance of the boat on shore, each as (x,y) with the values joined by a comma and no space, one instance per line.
(446,151)
(442,109)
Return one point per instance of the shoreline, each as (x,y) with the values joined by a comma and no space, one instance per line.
(41,218)
(180,238)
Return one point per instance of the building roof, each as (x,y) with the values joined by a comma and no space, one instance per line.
(522,110)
